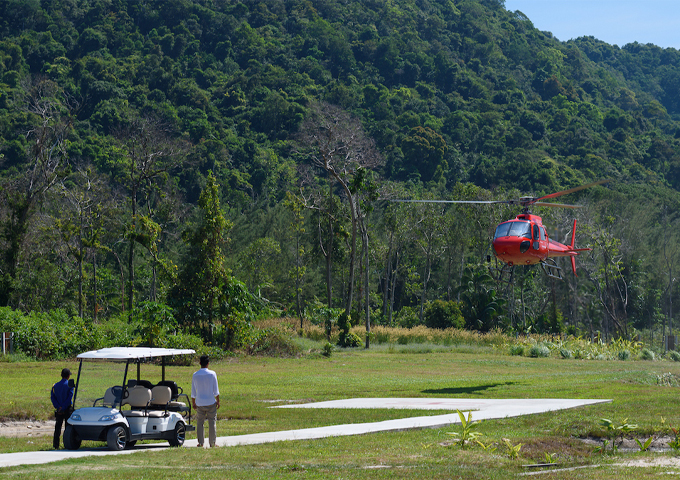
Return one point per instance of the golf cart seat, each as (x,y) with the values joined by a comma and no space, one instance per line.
(176,392)
(111,397)
(160,397)
(143,383)
(138,398)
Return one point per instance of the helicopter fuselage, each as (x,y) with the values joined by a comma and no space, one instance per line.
(525,241)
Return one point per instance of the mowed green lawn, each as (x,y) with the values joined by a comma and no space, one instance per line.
(249,386)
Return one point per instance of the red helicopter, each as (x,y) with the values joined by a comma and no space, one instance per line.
(524,240)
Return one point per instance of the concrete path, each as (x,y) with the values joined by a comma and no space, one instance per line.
(483,409)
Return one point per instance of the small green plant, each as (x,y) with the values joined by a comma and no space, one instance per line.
(666,380)
(513,450)
(327,349)
(468,434)
(549,457)
(675,443)
(487,448)
(615,431)
(644,446)
(602,448)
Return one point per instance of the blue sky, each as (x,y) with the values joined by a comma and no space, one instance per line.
(616,22)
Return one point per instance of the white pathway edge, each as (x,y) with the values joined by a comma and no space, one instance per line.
(484,409)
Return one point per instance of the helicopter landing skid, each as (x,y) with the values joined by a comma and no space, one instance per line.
(551,269)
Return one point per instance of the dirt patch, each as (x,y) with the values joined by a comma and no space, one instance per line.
(30,428)
(659,444)
(652,462)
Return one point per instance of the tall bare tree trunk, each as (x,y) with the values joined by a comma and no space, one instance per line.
(364,236)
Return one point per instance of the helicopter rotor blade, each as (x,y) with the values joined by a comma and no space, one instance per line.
(561,205)
(571,190)
(452,201)
(525,202)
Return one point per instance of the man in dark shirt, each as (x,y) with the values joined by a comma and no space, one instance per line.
(62,394)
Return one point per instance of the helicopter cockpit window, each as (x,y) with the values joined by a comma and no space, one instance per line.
(502,230)
(520,229)
(543,234)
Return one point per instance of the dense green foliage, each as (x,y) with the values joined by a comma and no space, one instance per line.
(113,113)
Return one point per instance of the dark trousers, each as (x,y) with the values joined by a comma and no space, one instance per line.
(60,417)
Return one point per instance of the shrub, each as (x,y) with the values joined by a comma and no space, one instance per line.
(407,317)
(235,332)
(182,340)
(646,354)
(273,342)
(116,332)
(380,336)
(537,351)
(319,314)
(16,358)
(154,322)
(215,353)
(49,335)
(673,355)
(565,353)
(440,314)
(624,355)
(517,350)
(347,338)
(351,340)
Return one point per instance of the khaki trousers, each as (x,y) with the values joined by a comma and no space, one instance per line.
(210,413)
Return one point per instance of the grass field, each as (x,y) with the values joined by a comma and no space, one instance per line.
(644,393)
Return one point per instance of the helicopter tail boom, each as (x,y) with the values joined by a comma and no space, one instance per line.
(560,250)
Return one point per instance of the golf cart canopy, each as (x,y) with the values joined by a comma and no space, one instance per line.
(126,354)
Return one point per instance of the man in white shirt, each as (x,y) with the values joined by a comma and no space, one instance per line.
(205,398)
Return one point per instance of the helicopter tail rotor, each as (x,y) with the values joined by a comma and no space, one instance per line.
(573,250)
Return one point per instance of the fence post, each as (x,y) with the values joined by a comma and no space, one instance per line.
(7,342)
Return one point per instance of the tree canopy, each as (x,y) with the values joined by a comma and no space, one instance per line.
(458,98)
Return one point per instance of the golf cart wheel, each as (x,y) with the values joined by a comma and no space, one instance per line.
(178,437)
(71,439)
(116,438)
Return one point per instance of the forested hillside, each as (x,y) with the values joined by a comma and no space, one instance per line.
(220,158)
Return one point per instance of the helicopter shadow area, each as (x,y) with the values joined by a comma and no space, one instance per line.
(471,390)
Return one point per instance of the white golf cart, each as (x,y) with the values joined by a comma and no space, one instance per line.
(132,411)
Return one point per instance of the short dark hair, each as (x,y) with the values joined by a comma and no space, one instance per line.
(65,373)
(205,360)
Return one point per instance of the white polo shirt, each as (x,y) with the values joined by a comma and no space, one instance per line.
(204,387)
